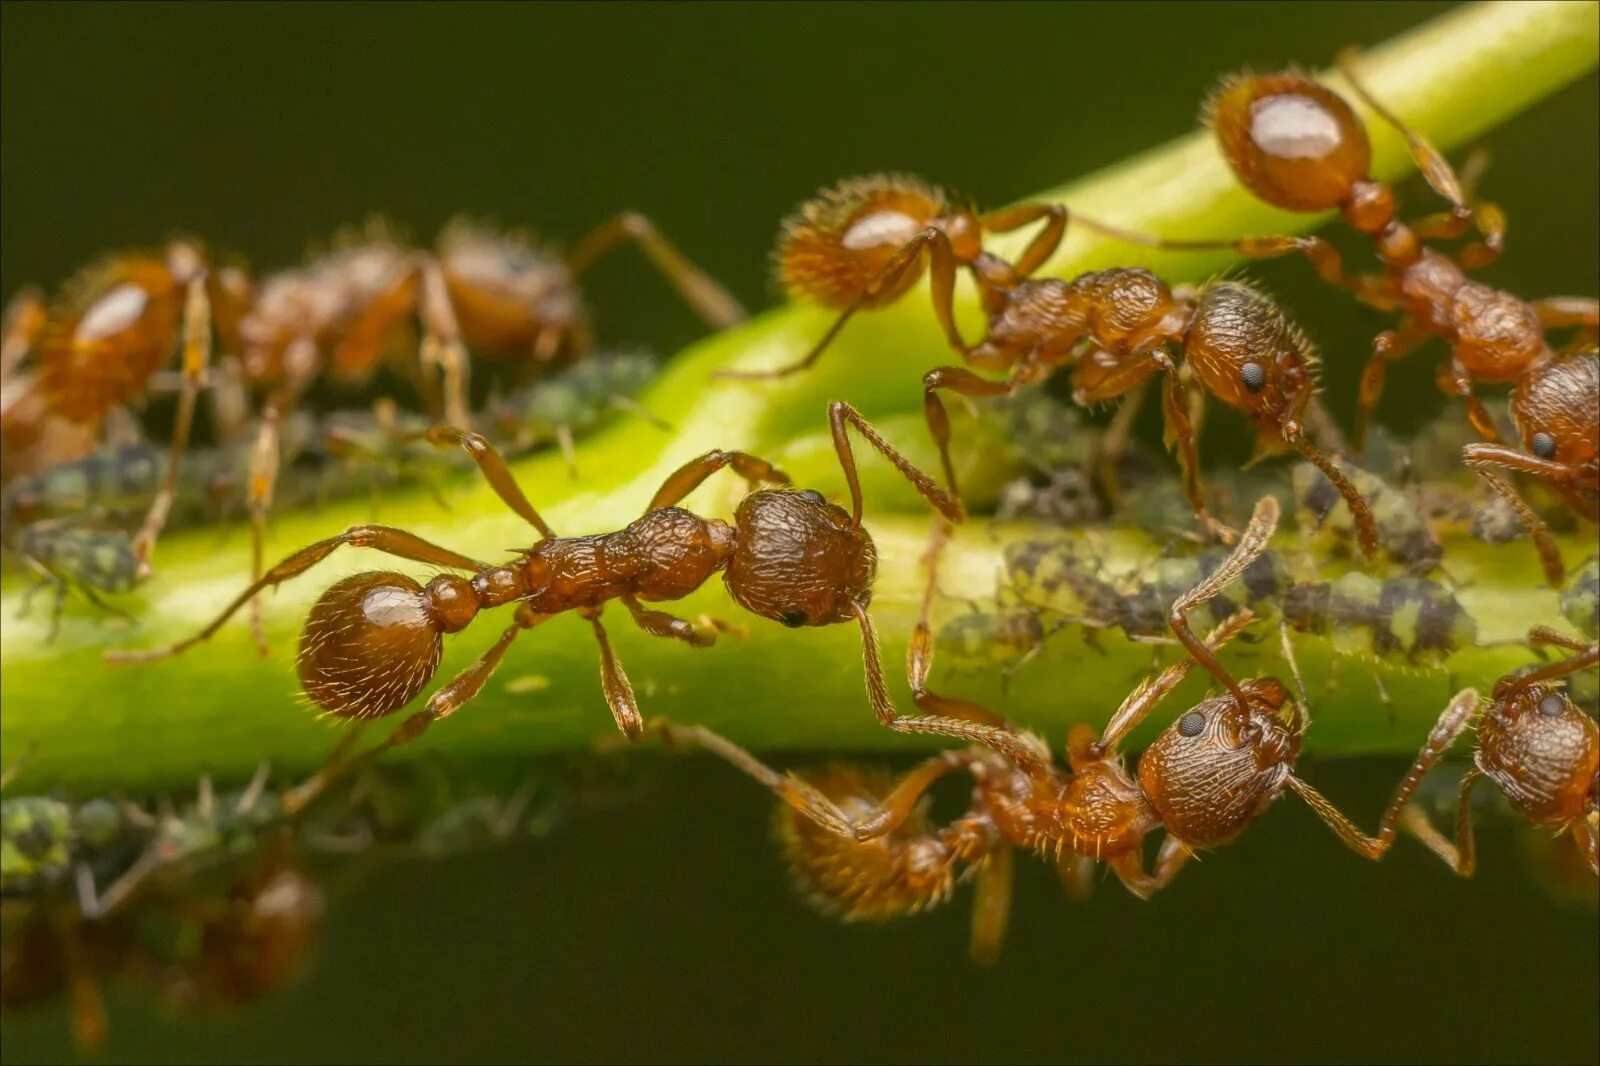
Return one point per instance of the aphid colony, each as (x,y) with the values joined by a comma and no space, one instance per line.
(861,842)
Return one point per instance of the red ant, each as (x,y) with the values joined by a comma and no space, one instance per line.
(1203,780)
(1536,747)
(97,348)
(861,243)
(1299,146)
(373,640)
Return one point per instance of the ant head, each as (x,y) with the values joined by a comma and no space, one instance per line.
(1215,768)
(834,245)
(1557,410)
(798,559)
(1535,736)
(899,873)
(1247,353)
(370,643)
(1292,142)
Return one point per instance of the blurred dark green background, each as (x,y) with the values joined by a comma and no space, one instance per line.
(663,929)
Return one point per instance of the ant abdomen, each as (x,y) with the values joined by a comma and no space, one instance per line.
(1292,142)
(834,245)
(899,873)
(799,560)
(370,643)
(1215,768)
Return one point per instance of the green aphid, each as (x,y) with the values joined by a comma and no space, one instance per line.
(998,638)
(36,844)
(1416,620)
(1580,600)
(1325,521)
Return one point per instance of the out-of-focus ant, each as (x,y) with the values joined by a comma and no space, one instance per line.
(374,639)
(1540,750)
(1203,780)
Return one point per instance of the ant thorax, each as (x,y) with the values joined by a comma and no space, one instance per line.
(663,555)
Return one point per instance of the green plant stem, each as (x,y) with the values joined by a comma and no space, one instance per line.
(89,725)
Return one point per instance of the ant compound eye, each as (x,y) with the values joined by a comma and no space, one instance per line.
(813,496)
(1191,724)
(793,619)
(1544,445)
(1253,376)
(1552,705)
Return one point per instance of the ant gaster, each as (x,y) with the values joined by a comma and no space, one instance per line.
(373,640)
(1203,780)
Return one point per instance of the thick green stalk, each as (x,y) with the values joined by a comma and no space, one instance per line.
(90,725)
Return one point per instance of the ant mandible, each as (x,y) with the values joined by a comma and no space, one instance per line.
(1299,146)
(1536,747)
(373,640)
(1203,780)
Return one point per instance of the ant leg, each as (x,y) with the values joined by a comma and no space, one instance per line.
(1180,431)
(991,905)
(457,693)
(1455,719)
(196,359)
(1044,243)
(701,633)
(841,414)
(1028,752)
(1479,457)
(1386,348)
(493,467)
(90,1024)
(1454,381)
(569,454)
(263,478)
(966,383)
(614,682)
(888,276)
(386,539)
(1360,513)
(1489,219)
(1586,834)
(1256,536)
(1567,312)
(692,474)
(23,318)
(1152,691)
(1077,875)
(714,304)
(442,346)
(1129,867)
(887,814)
(1587,657)
(1539,635)
(1461,855)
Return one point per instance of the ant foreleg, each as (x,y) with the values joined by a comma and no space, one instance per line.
(1567,312)
(1180,432)
(442,346)
(494,469)
(966,383)
(714,304)
(1129,867)
(841,414)
(385,539)
(701,633)
(614,682)
(692,474)
(1455,719)
(1479,457)
(991,905)
(196,360)
(1044,243)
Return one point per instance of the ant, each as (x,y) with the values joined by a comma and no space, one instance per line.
(99,346)
(1299,146)
(861,244)
(373,640)
(1203,780)
(1536,747)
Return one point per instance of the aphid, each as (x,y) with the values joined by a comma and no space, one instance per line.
(1536,747)
(43,840)
(999,636)
(1556,410)
(1415,620)
(1203,780)
(68,555)
(1580,600)
(374,639)
(1298,145)
(111,330)
(560,406)
(1325,522)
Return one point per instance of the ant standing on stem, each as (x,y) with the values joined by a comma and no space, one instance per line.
(374,639)
(1203,780)
(1298,145)
(861,244)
